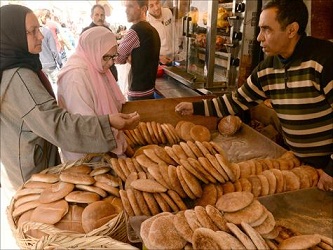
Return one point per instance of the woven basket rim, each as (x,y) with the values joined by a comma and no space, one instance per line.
(112,235)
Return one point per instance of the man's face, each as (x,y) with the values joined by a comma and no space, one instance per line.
(98,16)
(154,8)
(133,11)
(273,40)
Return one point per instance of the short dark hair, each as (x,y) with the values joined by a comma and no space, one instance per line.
(142,3)
(289,11)
(96,6)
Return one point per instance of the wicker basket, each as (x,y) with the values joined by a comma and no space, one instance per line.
(112,235)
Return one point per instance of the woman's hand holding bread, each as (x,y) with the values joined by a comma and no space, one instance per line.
(124,121)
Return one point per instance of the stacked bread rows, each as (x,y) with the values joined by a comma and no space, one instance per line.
(200,171)
(239,221)
(80,199)
(165,133)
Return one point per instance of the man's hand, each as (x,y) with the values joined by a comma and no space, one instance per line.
(124,121)
(184,108)
(165,60)
(325,181)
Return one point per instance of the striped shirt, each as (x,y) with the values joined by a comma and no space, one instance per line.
(301,92)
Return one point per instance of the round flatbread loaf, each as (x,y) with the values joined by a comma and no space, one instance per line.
(97,214)
(164,155)
(25,207)
(82,197)
(182,226)
(155,172)
(187,150)
(300,242)
(148,185)
(117,169)
(77,178)
(151,203)
(229,241)
(175,182)
(50,213)
(48,178)
(99,171)
(268,224)
(150,153)
(109,179)
(126,204)
(209,195)
(255,236)
(200,133)
(205,238)
(141,202)
(79,169)
(25,199)
(229,125)
(93,189)
(242,237)
(177,199)
(145,162)
(192,219)
(246,185)
(56,192)
(217,218)
(145,228)
(193,171)
(204,219)
(248,214)
(271,181)
(235,201)
(279,180)
(185,127)
(292,181)
(191,181)
(27,191)
(72,221)
(37,184)
(164,235)
(108,188)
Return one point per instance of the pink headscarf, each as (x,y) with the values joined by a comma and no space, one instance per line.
(93,44)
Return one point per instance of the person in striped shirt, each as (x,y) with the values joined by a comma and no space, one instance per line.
(297,76)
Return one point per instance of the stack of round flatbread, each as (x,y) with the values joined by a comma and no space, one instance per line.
(79,199)
(242,207)
(148,133)
(183,224)
(188,131)
(144,195)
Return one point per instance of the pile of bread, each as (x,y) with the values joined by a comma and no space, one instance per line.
(80,199)
(148,133)
(172,178)
(172,171)
(238,221)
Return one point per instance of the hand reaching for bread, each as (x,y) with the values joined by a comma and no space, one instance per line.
(124,121)
(184,108)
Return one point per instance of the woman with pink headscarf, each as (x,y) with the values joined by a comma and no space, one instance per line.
(86,86)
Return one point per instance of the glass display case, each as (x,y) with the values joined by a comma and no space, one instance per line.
(211,35)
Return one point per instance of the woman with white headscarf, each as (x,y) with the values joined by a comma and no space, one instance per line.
(86,86)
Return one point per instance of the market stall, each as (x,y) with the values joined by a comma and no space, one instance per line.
(296,209)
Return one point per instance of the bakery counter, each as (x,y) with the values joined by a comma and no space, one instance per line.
(304,211)
(168,87)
